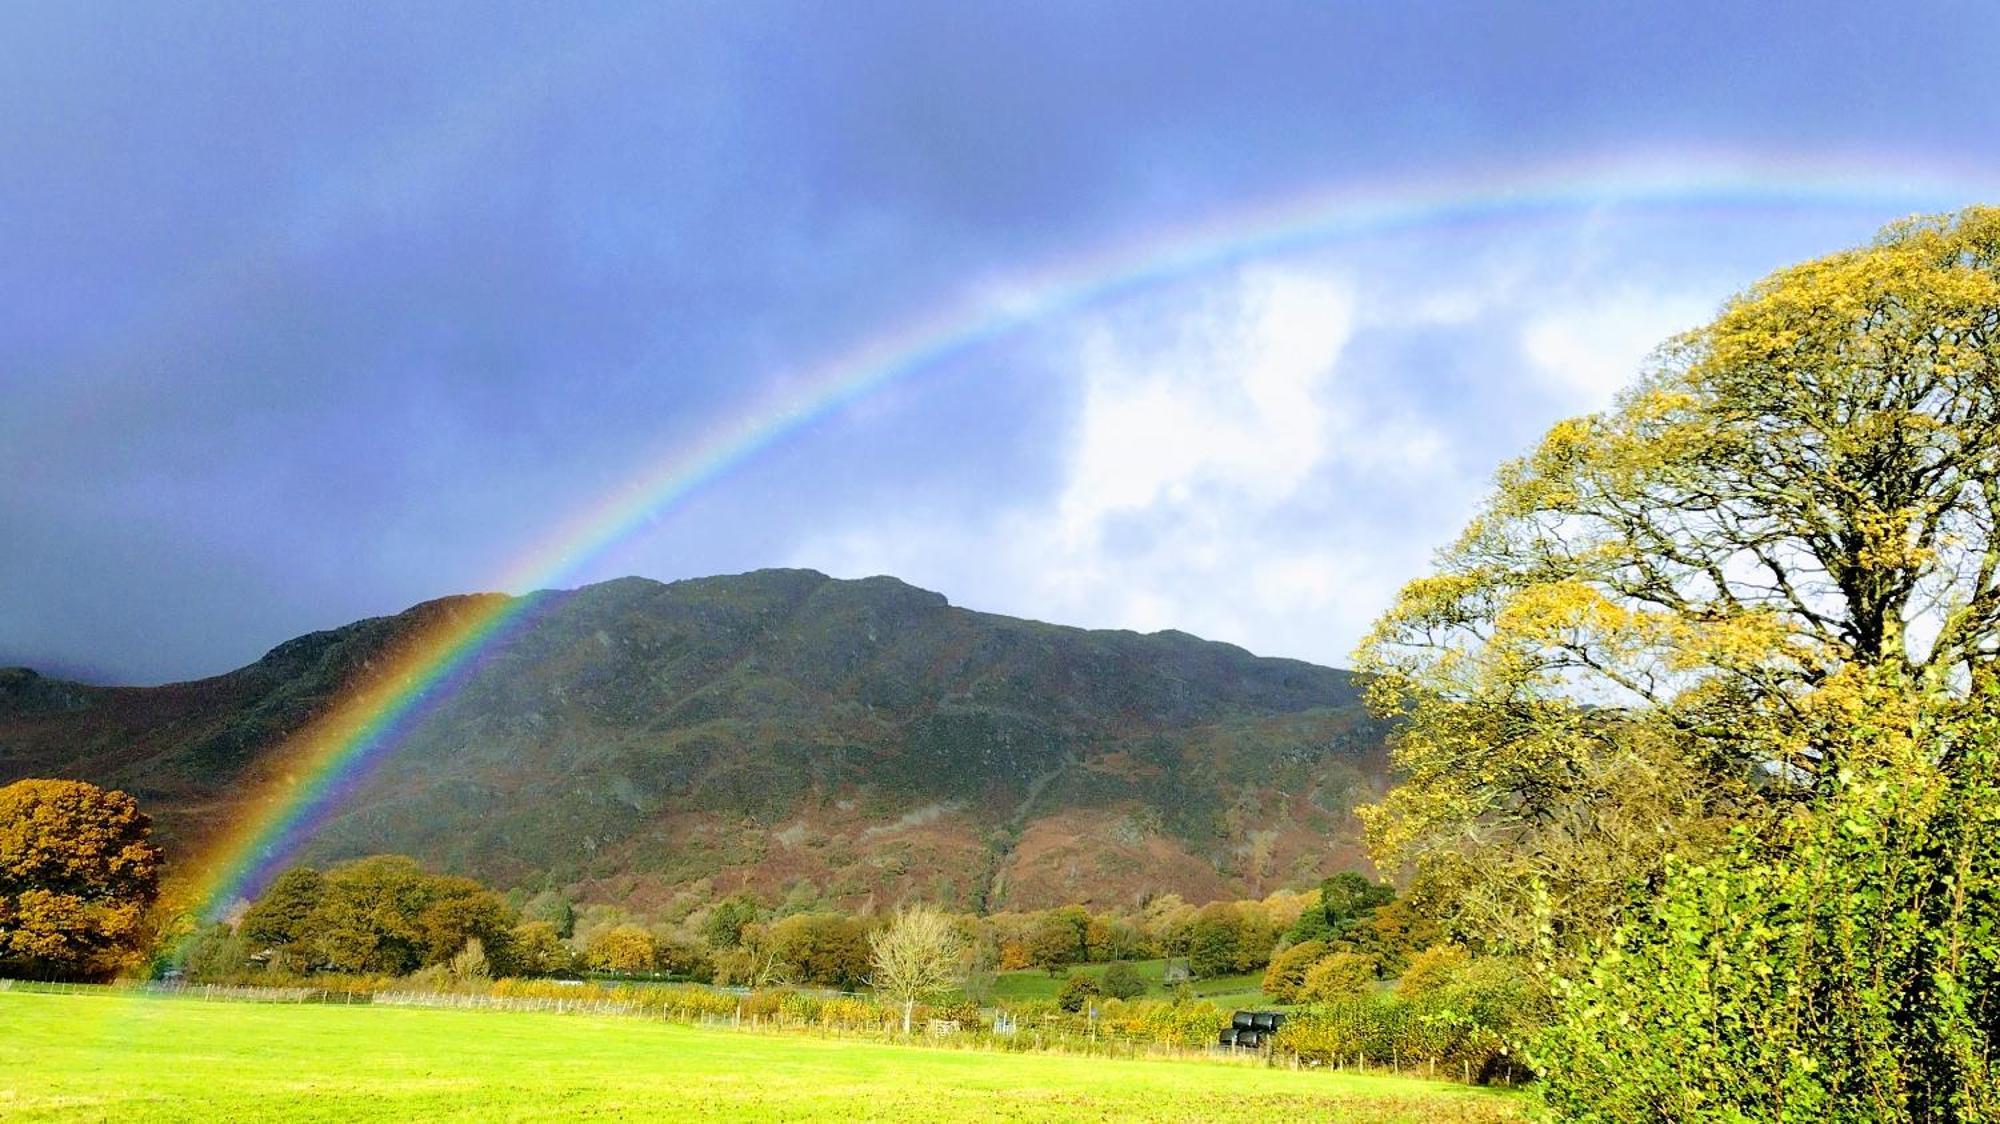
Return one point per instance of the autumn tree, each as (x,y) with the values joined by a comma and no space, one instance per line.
(820,948)
(1637,644)
(77,876)
(539,951)
(281,916)
(914,957)
(626,948)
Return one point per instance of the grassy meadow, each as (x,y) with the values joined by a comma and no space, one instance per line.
(1245,990)
(104,1057)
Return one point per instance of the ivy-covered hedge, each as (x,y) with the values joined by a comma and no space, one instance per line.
(1846,973)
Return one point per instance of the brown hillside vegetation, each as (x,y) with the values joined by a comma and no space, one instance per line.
(803,738)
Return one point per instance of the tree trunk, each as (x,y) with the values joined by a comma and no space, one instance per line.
(909,1005)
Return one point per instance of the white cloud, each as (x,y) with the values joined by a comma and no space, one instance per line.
(1205,483)
(1588,350)
(1233,406)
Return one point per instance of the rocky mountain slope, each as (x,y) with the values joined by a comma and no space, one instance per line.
(779,731)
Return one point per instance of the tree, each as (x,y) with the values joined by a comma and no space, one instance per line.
(724,927)
(384,914)
(1344,899)
(1338,975)
(215,952)
(1287,972)
(1623,656)
(77,877)
(914,957)
(538,951)
(551,906)
(1061,937)
(461,911)
(1076,991)
(282,915)
(470,963)
(625,948)
(821,948)
(1214,941)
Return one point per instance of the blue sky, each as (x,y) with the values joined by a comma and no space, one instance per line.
(316,311)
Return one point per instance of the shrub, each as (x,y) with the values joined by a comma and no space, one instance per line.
(1121,981)
(469,964)
(1077,991)
(1845,971)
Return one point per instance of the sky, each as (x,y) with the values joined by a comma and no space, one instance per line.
(1216,317)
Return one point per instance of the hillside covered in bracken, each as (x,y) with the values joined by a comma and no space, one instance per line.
(806,739)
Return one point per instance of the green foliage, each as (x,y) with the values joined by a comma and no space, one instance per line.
(1345,900)
(552,907)
(1474,1015)
(1121,981)
(827,949)
(383,915)
(216,952)
(282,915)
(724,926)
(1844,971)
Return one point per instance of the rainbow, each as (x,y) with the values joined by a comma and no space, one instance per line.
(323,761)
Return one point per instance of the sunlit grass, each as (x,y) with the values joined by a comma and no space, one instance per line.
(109,1058)
(1244,990)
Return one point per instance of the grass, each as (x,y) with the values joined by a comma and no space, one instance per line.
(101,1057)
(1245,990)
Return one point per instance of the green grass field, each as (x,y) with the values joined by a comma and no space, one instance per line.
(101,1057)
(1229,991)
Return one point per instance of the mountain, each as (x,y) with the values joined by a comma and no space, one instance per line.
(782,732)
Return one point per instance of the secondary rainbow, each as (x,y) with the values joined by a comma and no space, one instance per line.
(320,763)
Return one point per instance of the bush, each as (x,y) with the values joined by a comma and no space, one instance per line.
(1076,991)
(1474,1014)
(1121,981)
(1166,1023)
(1845,971)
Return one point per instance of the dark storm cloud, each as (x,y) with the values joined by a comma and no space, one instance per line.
(316,310)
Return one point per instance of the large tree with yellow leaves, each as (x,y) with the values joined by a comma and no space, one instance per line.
(1655,629)
(77,877)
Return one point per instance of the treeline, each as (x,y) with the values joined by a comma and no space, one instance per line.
(387,916)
